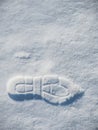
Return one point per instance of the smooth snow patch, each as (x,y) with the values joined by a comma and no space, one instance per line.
(52,88)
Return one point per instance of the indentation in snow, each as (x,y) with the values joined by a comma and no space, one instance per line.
(23,55)
(51,88)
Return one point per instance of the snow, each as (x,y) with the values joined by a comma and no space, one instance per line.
(55,37)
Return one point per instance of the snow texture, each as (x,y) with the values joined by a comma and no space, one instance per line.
(41,38)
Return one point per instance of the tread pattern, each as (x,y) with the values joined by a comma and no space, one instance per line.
(51,88)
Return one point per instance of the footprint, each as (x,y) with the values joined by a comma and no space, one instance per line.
(22,55)
(51,88)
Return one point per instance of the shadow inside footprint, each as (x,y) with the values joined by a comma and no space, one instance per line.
(17,97)
(67,102)
(22,97)
(72,99)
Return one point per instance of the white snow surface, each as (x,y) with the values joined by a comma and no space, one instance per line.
(49,37)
